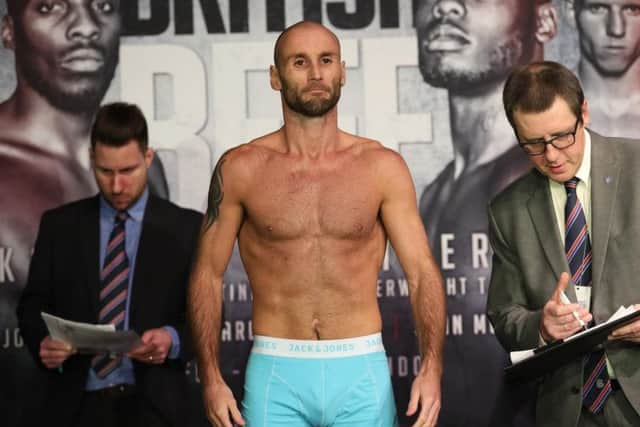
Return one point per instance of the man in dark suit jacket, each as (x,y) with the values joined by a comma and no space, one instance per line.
(545,105)
(72,276)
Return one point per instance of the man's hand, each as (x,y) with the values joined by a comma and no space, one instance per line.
(425,392)
(155,346)
(557,321)
(630,332)
(220,406)
(53,352)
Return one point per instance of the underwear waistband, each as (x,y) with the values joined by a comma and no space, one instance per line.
(317,349)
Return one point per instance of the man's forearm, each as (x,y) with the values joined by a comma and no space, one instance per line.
(205,312)
(428,306)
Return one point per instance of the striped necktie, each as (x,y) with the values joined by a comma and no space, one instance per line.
(114,284)
(597,385)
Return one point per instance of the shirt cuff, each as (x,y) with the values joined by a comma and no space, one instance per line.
(174,350)
(541,341)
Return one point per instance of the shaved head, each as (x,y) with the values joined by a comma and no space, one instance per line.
(302,25)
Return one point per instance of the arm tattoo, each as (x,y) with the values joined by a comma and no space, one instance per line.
(215,194)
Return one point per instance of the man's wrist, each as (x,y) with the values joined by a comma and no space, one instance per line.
(174,349)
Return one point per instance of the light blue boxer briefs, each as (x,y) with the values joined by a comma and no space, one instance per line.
(318,383)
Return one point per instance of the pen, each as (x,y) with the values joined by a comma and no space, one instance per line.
(565,300)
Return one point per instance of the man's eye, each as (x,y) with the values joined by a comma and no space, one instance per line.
(327,60)
(45,8)
(299,62)
(631,10)
(105,6)
(597,9)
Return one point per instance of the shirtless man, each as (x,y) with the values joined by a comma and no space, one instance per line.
(609,66)
(312,208)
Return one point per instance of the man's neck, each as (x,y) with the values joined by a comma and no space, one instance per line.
(311,136)
(479,129)
(29,118)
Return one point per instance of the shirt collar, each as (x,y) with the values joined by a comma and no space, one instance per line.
(584,171)
(135,211)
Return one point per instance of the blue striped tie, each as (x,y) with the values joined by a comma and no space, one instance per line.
(597,385)
(114,284)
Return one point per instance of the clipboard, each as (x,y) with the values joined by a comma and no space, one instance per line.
(559,353)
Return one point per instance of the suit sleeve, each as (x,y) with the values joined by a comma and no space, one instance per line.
(182,328)
(36,296)
(516,326)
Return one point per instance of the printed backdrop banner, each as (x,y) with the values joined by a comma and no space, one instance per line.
(199,71)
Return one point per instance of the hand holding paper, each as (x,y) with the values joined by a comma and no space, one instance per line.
(53,353)
(153,348)
(630,332)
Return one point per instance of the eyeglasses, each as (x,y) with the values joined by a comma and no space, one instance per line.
(536,147)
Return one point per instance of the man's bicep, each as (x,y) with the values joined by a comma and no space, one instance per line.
(225,212)
(400,217)
(217,239)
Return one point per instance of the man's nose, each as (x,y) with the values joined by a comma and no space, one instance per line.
(116,184)
(449,8)
(83,23)
(616,23)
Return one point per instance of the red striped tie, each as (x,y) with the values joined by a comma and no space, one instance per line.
(114,283)
(597,385)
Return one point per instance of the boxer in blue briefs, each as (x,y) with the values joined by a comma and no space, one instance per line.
(312,208)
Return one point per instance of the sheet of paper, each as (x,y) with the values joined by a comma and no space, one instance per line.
(90,338)
(620,312)
(517,356)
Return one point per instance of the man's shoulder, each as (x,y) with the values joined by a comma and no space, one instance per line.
(374,152)
(243,159)
(622,152)
(628,145)
(73,211)
(167,207)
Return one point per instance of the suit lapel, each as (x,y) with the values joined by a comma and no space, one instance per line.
(543,217)
(605,173)
(90,232)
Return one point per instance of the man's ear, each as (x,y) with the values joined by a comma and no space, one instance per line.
(148,156)
(274,77)
(585,114)
(546,22)
(343,72)
(6,32)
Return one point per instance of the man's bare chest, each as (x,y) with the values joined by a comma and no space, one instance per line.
(338,205)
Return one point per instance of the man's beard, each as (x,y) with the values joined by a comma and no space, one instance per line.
(72,92)
(315,107)
(502,60)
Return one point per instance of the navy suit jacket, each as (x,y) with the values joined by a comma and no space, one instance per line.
(64,281)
